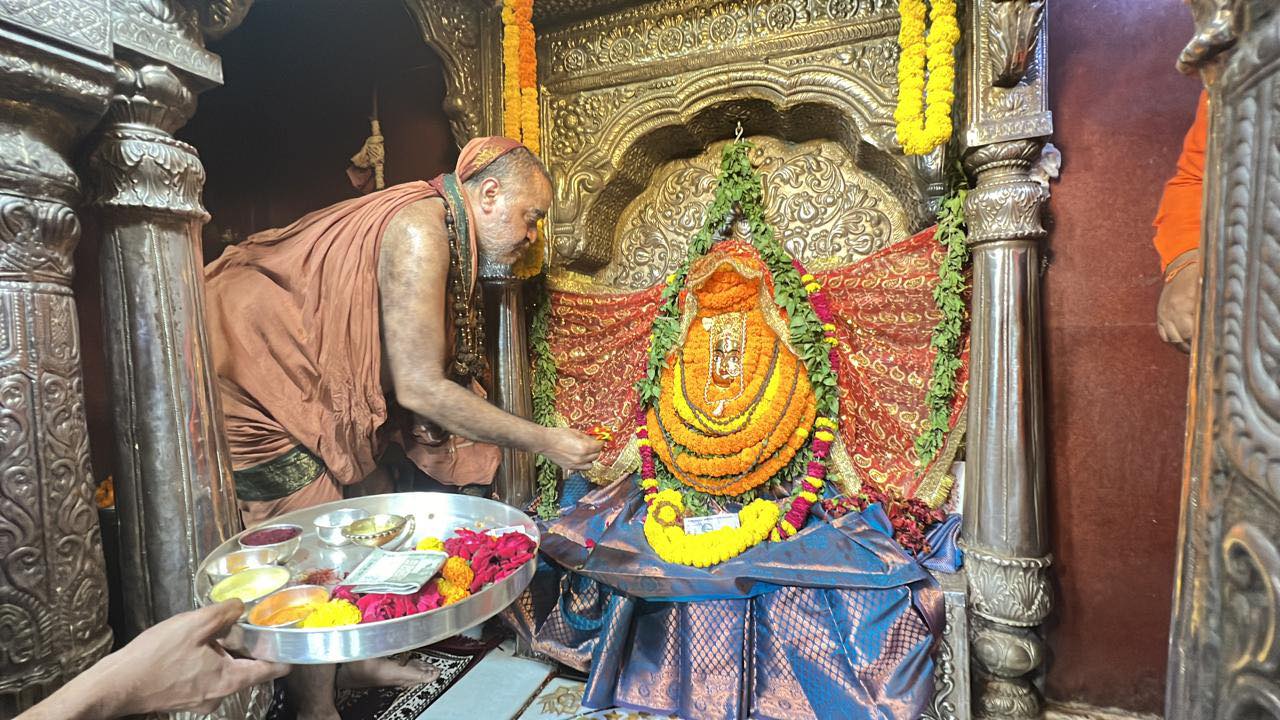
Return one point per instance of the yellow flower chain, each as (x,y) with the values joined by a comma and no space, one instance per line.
(668,539)
(452,593)
(922,128)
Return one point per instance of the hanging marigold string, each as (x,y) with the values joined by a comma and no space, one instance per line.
(520,113)
(923,114)
(511,69)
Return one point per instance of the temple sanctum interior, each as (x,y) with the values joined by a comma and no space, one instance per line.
(614,360)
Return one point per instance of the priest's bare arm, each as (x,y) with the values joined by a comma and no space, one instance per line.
(413,269)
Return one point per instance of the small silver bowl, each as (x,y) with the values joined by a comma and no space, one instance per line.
(329,526)
(250,586)
(288,606)
(284,549)
(233,562)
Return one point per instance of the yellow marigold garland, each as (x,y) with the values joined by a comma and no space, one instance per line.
(921,127)
(451,592)
(664,530)
(431,543)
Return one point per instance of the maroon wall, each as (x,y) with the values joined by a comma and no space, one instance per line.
(1115,393)
(276,138)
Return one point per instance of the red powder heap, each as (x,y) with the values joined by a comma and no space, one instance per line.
(322,576)
(270,536)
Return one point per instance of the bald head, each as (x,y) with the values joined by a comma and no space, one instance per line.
(509,196)
(515,167)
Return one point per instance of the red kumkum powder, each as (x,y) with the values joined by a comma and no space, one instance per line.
(271,536)
(323,576)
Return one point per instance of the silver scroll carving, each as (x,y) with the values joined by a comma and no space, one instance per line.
(1224,661)
(53,588)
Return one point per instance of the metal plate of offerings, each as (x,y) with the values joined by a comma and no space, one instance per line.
(391,542)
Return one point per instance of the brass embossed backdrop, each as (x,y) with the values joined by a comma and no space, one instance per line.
(827,211)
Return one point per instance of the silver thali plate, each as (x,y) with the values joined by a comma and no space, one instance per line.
(434,514)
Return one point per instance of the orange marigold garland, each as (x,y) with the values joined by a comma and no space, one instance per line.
(520,118)
(511,70)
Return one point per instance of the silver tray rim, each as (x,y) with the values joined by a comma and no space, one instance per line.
(301,646)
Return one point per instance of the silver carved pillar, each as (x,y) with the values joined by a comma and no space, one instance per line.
(1006,544)
(509,357)
(54,80)
(175,497)
(1004,532)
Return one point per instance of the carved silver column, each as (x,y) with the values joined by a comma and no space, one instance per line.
(1004,532)
(174,494)
(54,80)
(509,358)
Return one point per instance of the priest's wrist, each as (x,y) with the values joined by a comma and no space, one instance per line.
(1178,265)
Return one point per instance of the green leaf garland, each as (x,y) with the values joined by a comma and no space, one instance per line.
(544,394)
(948,296)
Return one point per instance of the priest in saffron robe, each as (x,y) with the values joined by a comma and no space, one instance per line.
(358,326)
(1177,236)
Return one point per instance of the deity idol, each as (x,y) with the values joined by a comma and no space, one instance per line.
(703,587)
(735,401)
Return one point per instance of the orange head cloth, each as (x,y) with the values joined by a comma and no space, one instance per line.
(480,152)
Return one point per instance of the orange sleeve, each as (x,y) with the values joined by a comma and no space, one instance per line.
(1178,217)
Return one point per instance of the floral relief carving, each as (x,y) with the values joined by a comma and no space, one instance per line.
(675,28)
(825,209)
(85,23)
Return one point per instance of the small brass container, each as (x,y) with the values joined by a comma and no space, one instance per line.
(330,525)
(378,530)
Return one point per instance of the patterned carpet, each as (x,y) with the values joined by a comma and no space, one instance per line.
(454,657)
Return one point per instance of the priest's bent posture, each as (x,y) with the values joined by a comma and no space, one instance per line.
(356,327)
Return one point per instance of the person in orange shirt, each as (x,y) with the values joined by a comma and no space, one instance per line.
(1177,236)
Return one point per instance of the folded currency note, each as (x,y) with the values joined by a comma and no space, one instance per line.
(398,573)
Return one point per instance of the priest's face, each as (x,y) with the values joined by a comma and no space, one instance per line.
(508,215)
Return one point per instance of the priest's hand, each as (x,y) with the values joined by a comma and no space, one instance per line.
(571,449)
(174,665)
(1176,311)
